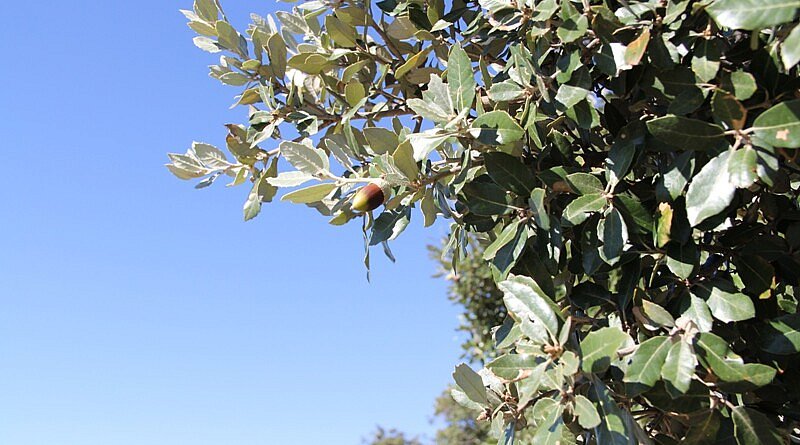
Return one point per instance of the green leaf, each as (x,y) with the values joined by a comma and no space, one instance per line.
(687,134)
(403,158)
(657,317)
(424,143)
(207,10)
(505,91)
(277,55)
(584,183)
(705,62)
(536,204)
(526,301)
(342,34)
(310,194)
(496,128)
(670,185)
(756,273)
(307,159)
(679,368)
(429,110)
(580,208)
(726,303)
(751,427)
(551,430)
(728,110)
(614,428)
(509,172)
(505,255)
(514,366)
(698,312)
(487,199)
(682,259)
(744,84)
(733,374)
(389,224)
(586,412)
(229,38)
(704,431)
(711,190)
(780,125)
(743,167)
(644,369)
(781,335)
(412,62)
(599,348)
(252,206)
(614,233)
(471,383)
(569,96)
(381,140)
(752,14)
(460,78)
(309,63)
(790,49)
(353,93)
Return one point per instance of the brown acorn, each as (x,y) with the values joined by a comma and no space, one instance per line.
(371,196)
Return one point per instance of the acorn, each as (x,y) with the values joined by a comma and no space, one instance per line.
(371,196)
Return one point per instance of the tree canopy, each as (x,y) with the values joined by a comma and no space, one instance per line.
(628,166)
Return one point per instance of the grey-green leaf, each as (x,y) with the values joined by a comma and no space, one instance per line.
(679,367)
(310,194)
(599,348)
(586,412)
(644,369)
(710,191)
(752,14)
(727,304)
(496,128)
(525,299)
(579,209)
(471,383)
(460,78)
(780,125)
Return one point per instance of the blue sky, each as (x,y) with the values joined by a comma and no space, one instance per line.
(137,310)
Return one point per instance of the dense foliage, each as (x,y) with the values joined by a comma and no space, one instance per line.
(631,166)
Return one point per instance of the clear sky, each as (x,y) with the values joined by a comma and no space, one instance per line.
(137,310)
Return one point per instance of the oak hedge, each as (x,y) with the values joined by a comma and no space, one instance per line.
(628,166)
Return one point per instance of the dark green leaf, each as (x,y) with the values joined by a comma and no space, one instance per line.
(483,198)
(754,428)
(687,134)
(509,172)
(782,335)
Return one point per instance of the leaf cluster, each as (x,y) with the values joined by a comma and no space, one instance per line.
(630,168)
